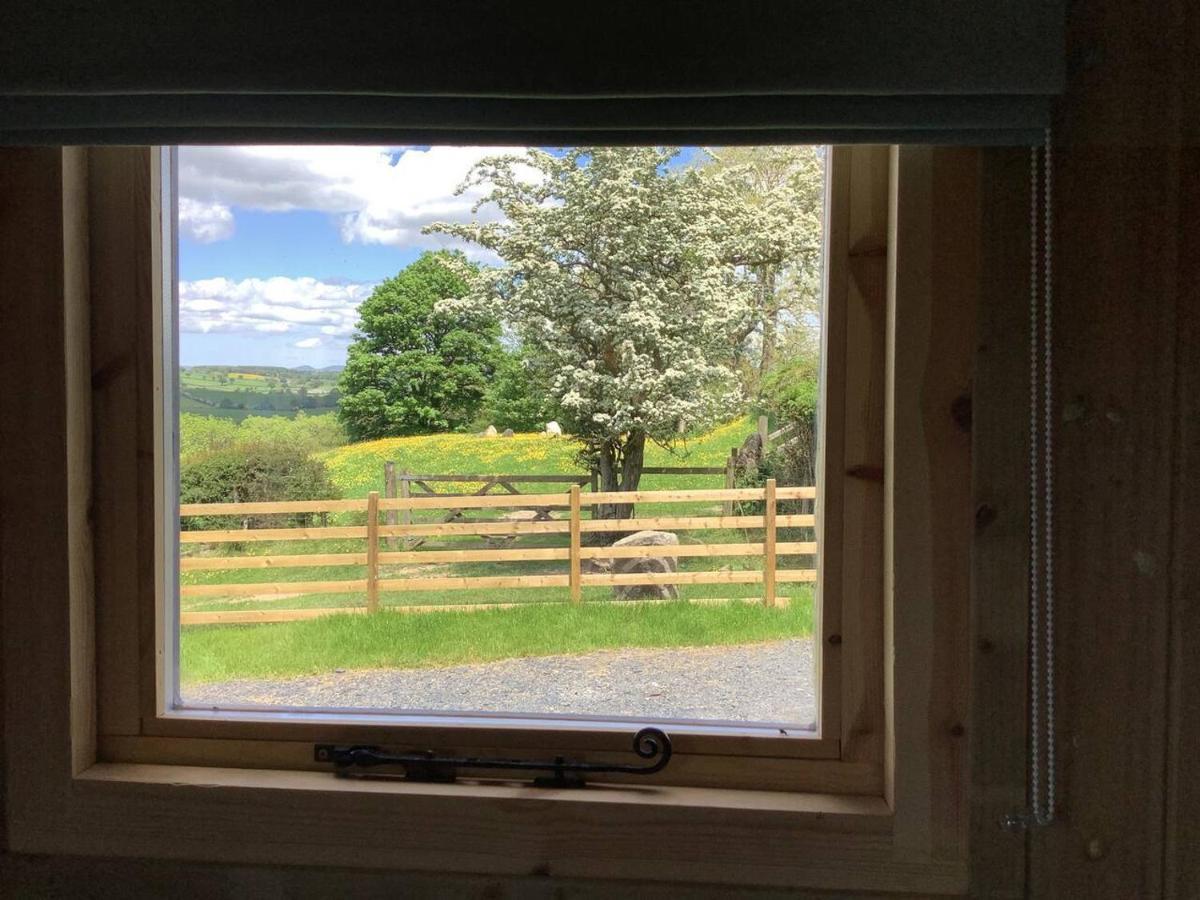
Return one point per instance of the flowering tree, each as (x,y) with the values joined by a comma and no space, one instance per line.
(775,237)
(618,277)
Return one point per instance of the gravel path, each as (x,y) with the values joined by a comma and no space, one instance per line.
(768,682)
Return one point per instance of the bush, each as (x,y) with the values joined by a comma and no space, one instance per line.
(304,432)
(790,395)
(201,436)
(253,474)
(790,392)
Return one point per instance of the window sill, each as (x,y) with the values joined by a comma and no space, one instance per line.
(683,834)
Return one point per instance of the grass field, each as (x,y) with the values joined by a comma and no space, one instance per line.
(544,624)
(358,468)
(384,639)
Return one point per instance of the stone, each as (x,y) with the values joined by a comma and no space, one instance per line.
(490,431)
(508,432)
(553,428)
(645,564)
(750,454)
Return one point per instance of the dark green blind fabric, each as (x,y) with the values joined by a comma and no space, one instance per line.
(505,71)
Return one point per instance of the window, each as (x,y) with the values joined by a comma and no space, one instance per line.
(575,399)
(847,736)
(881,783)
(850,731)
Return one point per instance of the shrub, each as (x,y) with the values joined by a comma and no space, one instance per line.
(253,474)
(790,395)
(201,436)
(204,434)
(304,432)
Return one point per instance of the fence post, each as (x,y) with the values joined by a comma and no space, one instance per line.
(764,434)
(769,543)
(405,493)
(389,491)
(730,479)
(373,551)
(575,575)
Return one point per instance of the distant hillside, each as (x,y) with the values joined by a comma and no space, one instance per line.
(239,391)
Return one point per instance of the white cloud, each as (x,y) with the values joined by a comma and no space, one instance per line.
(308,308)
(376,196)
(205,222)
(308,343)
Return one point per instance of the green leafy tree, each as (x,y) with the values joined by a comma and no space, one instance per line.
(416,367)
(618,280)
(519,397)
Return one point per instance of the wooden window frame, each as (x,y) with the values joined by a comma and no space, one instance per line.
(877,802)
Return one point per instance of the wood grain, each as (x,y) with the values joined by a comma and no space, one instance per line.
(36,566)
(932,276)
(373,551)
(122,296)
(574,558)
(209,563)
(852,507)
(769,554)
(1000,455)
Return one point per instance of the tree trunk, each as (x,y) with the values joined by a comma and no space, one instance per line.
(770,322)
(621,470)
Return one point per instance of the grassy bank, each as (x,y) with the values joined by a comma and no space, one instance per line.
(399,640)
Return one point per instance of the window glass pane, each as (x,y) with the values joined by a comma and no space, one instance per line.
(524,431)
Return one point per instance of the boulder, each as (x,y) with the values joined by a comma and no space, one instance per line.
(508,432)
(553,428)
(645,564)
(750,454)
(490,431)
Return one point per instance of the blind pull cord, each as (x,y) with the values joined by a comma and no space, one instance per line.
(1042,758)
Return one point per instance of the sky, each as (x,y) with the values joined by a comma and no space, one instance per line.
(279,245)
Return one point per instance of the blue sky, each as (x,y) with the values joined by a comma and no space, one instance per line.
(278,245)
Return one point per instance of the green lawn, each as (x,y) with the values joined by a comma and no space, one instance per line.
(405,640)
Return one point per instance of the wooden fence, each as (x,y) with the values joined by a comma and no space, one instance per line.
(400,483)
(574,525)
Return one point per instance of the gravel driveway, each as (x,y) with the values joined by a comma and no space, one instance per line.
(767,682)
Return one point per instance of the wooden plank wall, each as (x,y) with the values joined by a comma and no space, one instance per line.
(37,436)
(1126,301)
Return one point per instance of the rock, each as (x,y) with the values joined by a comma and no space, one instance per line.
(750,454)
(490,431)
(508,432)
(644,564)
(553,428)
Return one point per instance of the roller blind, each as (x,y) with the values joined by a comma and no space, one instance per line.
(530,72)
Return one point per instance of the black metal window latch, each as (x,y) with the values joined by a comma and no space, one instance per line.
(427,766)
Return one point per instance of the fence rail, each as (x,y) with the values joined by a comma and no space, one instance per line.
(574,526)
